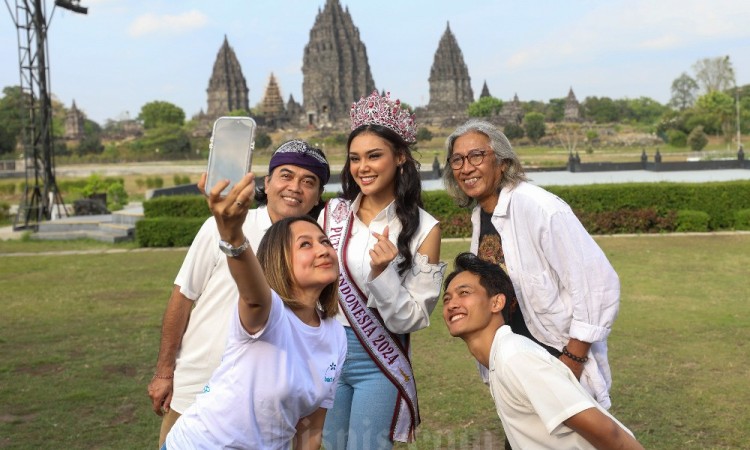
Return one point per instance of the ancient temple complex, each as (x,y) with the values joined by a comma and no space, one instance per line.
(335,68)
(227,89)
(336,73)
(74,119)
(450,84)
(485,91)
(512,112)
(272,105)
(572,108)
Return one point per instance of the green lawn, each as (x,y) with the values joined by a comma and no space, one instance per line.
(79,337)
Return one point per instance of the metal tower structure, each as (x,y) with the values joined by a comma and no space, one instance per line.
(41,195)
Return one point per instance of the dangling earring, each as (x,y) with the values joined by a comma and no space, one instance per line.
(402,169)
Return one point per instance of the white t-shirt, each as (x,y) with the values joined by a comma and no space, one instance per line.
(535,393)
(265,384)
(205,278)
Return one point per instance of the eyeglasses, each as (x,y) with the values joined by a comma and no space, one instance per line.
(475,158)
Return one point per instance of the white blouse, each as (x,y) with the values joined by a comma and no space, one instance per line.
(405,301)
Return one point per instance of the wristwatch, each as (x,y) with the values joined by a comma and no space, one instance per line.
(231,250)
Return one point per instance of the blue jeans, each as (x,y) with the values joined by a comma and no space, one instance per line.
(362,412)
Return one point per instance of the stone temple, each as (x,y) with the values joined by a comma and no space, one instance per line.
(450,84)
(273,104)
(572,108)
(74,120)
(335,68)
(227,89)
(336,73)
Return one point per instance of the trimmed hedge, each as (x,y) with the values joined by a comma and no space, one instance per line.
(177,206)
(167,231)
(171,221)
(602,209)
(719,200)
(742,219)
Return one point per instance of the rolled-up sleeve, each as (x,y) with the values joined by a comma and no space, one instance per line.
(589,281)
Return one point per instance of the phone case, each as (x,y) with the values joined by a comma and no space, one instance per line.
(230,151)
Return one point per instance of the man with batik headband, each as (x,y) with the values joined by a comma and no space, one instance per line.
(195,323)
(388,249)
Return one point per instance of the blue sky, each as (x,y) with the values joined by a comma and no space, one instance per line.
(125,53)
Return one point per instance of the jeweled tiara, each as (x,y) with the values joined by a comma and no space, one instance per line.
(386,112)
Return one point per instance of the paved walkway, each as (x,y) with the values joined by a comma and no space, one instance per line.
(7,233)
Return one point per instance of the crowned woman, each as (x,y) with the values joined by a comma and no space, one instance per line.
(390,277)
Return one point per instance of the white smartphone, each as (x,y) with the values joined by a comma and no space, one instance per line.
(230,152)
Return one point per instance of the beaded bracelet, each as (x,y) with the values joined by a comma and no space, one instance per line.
(575,358)
(163,377)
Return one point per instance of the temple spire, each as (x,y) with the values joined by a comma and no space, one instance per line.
(450,84)
(227,90)
(335,67)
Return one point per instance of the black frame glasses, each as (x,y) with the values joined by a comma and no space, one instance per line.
(475,158)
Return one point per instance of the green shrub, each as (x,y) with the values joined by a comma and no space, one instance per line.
(456,226)
(424,134)
(154,182)
(720,200)
(742,219)
(4,211)
(629,221)
(179,180)
(70,186)
(691,220)
(697,139)
(117,197)
(262,141)
(513,131)
(167,231)
(677,138)
(7,188)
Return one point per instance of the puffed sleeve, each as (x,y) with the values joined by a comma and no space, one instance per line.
(405,302)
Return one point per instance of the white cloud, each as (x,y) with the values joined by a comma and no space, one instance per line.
(663,42)
(629,26)
(151,23)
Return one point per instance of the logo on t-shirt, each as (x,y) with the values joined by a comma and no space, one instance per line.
(330,373)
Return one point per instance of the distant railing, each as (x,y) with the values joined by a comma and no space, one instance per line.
(7,165)
(575,164)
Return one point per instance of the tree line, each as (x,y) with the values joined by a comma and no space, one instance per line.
(707,102)
(704,102)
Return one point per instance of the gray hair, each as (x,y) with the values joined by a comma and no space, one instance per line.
(502,149)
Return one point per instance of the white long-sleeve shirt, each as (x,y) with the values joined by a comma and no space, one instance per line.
(406,301)
(565,285)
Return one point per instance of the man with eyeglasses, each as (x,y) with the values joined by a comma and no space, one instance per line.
(568,293)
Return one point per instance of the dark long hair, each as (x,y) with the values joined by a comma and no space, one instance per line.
(408,189)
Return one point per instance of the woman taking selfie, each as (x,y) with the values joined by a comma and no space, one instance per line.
(284,351)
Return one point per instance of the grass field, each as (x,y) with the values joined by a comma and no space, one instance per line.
(79,336)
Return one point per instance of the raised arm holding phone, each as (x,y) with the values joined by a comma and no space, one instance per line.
(284,350)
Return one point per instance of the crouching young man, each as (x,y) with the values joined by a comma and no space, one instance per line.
(540,402)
